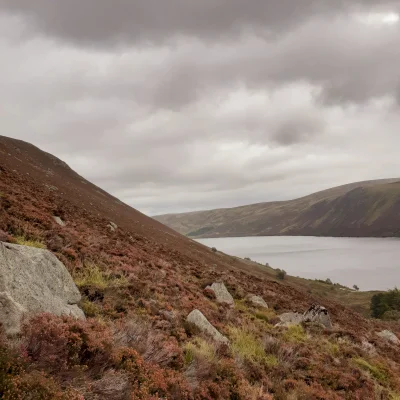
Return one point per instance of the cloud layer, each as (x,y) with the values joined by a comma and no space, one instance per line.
(175,107)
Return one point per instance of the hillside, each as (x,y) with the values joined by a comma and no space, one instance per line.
(139,280)
(362,209)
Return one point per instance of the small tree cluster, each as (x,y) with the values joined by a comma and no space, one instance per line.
(384,303)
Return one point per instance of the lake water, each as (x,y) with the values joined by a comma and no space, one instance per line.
(367,262)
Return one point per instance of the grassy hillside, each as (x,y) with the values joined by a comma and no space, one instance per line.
(362,209)
(139,282)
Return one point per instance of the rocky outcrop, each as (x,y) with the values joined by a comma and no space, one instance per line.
(197,318)
(257,301)
(319,315)
(315,314)
(33,281)
(389,337)
(221,293)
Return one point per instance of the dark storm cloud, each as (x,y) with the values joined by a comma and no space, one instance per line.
(103,21)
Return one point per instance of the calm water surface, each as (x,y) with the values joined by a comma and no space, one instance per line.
(367,262)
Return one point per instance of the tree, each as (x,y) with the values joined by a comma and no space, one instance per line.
(214,249)
(281,274)
(355,287)
(329,282)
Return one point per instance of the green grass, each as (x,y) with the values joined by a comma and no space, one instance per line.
(199,348)
(376,370)
(92,275)
(23,241)
(295,334)
(246,345)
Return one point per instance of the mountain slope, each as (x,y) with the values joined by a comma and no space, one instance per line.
(370,208)
(139,281)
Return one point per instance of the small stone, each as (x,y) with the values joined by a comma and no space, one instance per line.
(257,301)
(389,337)
(221,293)
(59,221)
(197,318)
(112,226)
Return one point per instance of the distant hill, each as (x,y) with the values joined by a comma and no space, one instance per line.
(361,209)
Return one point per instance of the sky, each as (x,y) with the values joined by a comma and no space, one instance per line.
(174,106)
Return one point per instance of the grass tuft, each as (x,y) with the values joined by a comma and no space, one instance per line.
(246,345)
(376,371)
(92,275)
(295,334)
(23,241)
(199,349)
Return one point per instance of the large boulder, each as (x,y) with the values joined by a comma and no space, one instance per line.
(221,293)
(389,337)
(197,318)
(33,281)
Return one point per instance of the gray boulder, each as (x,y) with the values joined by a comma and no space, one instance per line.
(257,301)
(290,319)
(221,293)
(197,318)
(315,314)
(33,281)
(319,315)
(389,337)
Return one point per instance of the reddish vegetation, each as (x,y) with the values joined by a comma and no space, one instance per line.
(134,344)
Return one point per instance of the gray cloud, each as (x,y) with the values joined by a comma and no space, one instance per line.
(177,106)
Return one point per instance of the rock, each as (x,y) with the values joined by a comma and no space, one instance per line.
(197,318)
(257,301)
(315,314)
(318,314)
(389,337)
(368,347)
(290,319)
(112,226)
(59,221)
(221,293)
(33,281)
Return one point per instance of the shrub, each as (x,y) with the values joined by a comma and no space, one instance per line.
(328,282)
(355,287)
(62,343)
(281,274)
(384,302)
(214,249)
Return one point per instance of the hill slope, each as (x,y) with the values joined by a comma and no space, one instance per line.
(361,209)
(140,281)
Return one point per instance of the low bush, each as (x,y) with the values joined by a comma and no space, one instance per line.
(281,274)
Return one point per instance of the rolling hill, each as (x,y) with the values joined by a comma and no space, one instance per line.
(362,209)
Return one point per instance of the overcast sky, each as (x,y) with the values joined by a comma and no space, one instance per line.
(184,105)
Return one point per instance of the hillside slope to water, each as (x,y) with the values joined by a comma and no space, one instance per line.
(139,280)
(362,209)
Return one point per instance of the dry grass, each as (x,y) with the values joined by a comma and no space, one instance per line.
(92,275)
(24,241)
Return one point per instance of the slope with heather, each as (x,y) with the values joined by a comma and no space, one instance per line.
(362,209)
(139,281)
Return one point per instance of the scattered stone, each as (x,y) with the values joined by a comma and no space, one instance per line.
(221,293)
(197,318)
(59,221)
(33,281)
(112,226)
(290,319)
(257,301)
(315,314)
(389,337)
(318,314)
